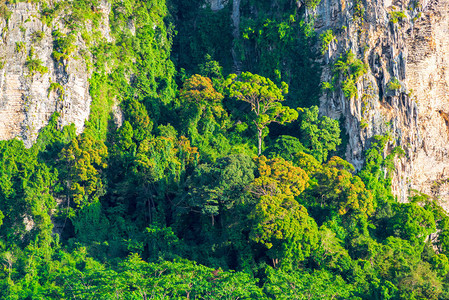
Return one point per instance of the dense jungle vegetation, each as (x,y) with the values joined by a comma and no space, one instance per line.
(216,185)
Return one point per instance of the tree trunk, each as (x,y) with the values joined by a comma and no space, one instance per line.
(259,136)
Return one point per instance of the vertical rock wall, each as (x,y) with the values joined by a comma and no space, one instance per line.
(407,43)
(26,99)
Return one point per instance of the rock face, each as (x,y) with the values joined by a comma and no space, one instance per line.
(405,92)
(28,98)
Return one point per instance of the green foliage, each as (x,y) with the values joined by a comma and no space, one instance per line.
(164,157)
(201,32)
(215,189)
(286,147)
(339,191)
(34,65)
(278,44)
(5,13)
(349,88)
(394,84)
(264,97)
(37,36)
(91,227)
(359,12)
(170,202)
(348,69)
(211,68)
(64,45)
(25,194)
(82,162)
(319,134)
(331,253)
(396,16)
(20,47)
(279,223)
(412,223)
(51,140)
(204,120)
(135,279)
(327,86)
(57,87)
(326,38)
(376,173)
(284,227)
(303,285)
(312,4)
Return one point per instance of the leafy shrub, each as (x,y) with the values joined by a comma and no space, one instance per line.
(396,16)
(35,64)
(363,123)
(57,87)
(37,36)
(326,38)
(394,84)
(349,69)
(20,47)
(359,12)
(64,45)
(5,13)
(312,4)
(327,86)
(349,88)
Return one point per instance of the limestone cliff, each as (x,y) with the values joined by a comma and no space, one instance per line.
(405,92)
(33,83)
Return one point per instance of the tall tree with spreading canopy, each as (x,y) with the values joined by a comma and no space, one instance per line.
(203,118)
(265,99)
(280,223)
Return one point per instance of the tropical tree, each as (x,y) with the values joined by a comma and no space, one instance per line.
(280,223)
(82,162)
(320,134)
(214,189)
(265,99)
(203,118)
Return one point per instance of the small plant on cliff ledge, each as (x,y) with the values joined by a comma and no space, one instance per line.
(359,12)
(64,45)
(37,36)
(349,88)
(20,47)
(363,123)
(58,88)
(394,84)
(311,4)
(327,86)
(349,69)
(396,16)
(5,13)
(326,38)
(35,64)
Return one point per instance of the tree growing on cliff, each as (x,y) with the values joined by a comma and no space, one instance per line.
(265,99)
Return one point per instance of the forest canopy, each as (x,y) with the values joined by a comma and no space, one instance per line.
(220,183)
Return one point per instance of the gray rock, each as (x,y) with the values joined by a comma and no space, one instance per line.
(414,50)
(26,102)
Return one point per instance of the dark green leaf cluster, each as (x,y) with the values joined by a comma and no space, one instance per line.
(348,69)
